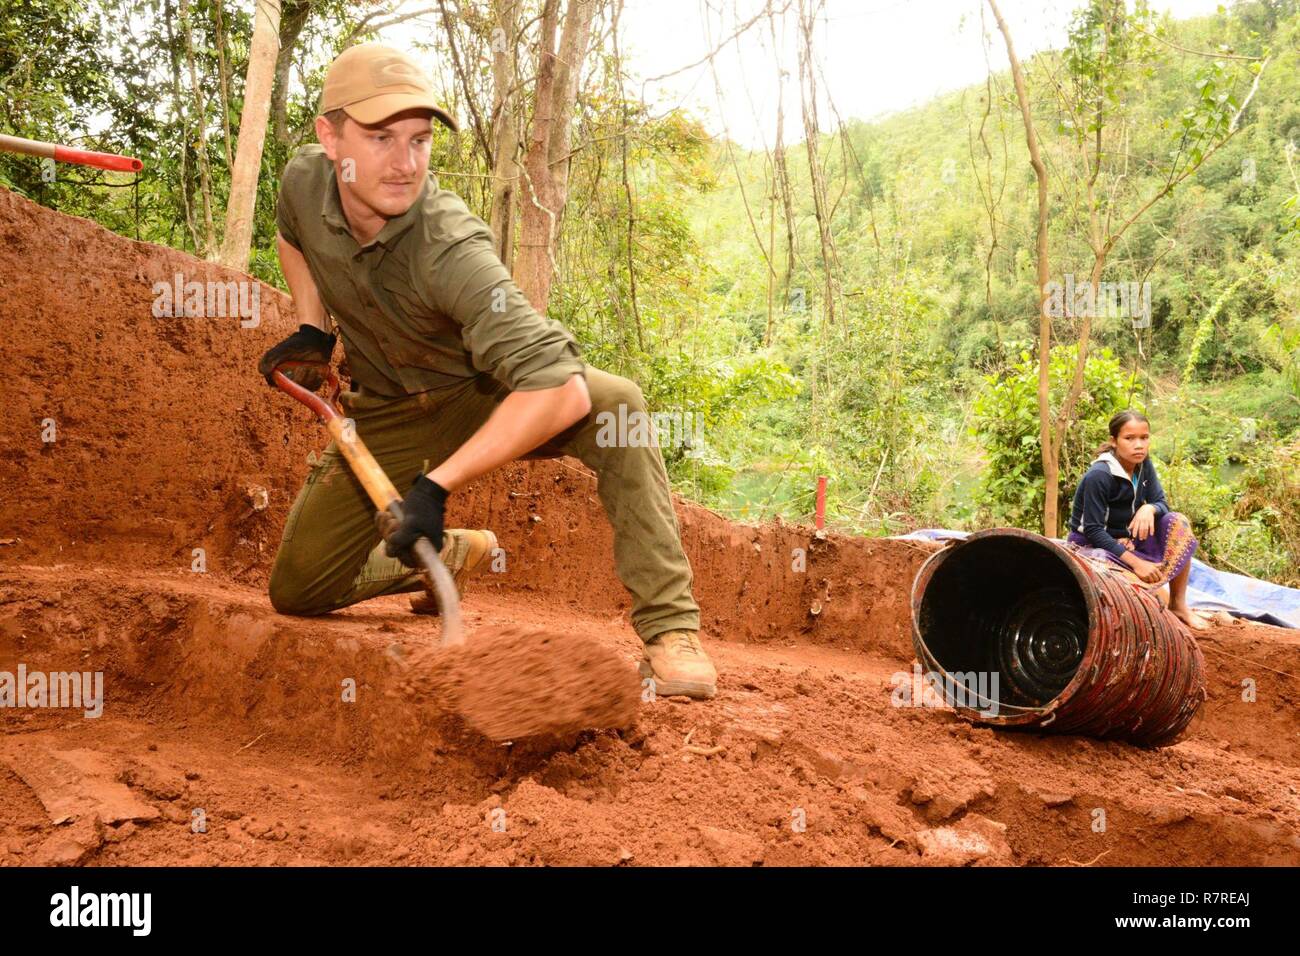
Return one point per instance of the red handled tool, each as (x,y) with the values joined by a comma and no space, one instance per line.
(67,154)
(509,682)
(379,488)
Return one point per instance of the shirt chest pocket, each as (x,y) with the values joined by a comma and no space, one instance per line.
(420,336)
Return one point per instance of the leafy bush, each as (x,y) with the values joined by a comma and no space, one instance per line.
(712,401)
(1006,422)
(1272,500)
(1255,533)
(1248,547)
(1193,491)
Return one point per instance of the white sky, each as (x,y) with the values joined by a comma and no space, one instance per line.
(876,56)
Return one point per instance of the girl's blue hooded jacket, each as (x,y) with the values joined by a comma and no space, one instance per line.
(1106,500)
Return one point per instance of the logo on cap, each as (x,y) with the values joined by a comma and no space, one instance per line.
(394,71)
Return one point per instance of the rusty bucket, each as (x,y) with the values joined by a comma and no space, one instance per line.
(1060,643)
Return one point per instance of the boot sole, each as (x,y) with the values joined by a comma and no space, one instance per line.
(698,690)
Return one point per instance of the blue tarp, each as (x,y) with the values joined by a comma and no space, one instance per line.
(1208,589)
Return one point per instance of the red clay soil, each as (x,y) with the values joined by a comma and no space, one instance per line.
(232,734)
(514,682)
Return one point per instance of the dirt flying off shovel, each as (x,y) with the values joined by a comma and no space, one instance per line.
(509,682)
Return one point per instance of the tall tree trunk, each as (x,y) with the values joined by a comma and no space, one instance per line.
(225,79)
(252,135)
(568,69)
(534,266)
(546,163)
(201,134)
(1051,473)
(178,106)
(830,259)
(505,127)
(293,17)
(782,179)
(787,200)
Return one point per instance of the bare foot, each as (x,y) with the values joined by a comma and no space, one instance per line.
(1190,618)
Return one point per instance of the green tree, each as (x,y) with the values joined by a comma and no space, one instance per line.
(1006,422)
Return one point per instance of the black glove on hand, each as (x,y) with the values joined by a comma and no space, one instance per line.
(422,515)
(308,344)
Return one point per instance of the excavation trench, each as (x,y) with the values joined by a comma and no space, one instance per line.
(138,541)
(202,680)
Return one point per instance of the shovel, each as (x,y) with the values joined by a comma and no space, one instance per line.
(380,490)
(510,683)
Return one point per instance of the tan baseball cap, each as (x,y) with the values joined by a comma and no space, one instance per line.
(372,82)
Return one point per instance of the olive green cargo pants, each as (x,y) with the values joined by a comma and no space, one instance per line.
(331,554)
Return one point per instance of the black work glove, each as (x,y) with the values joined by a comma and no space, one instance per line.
(308,344)
(422,515)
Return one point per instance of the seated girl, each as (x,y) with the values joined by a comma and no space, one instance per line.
(1120,513)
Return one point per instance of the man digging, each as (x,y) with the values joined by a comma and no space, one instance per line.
(451,368)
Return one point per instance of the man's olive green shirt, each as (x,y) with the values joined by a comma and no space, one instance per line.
(427,303)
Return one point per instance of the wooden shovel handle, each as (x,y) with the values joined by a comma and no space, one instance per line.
(384,495)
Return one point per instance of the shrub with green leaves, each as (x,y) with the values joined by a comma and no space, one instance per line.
(1005,414)
(1194,492)
(1272,502)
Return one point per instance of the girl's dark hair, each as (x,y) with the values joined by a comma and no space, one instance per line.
(1119,421)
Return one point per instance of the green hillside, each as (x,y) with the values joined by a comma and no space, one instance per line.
(933,308)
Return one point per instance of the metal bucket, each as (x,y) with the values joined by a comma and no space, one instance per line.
(1066,645)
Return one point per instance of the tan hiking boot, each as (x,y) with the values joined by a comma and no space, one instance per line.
(465,553)
(678,664)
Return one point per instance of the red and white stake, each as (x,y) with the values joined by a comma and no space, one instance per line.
(66,154)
